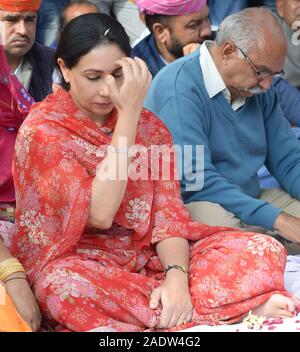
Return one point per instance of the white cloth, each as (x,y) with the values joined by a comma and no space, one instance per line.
(24,73)
(213,81)
(284,325)
(292,275)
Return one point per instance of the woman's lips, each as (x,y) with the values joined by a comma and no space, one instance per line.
(103,104)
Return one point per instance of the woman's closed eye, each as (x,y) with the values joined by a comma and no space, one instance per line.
(117,75)
(93,78)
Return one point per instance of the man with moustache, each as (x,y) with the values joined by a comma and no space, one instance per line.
(173,25)
(221,97)
(32,63)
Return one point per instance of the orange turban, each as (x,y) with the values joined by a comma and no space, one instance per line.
(20,5)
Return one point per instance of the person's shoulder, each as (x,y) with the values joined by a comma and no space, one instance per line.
(185,70)
(41,55)
(42,50)
(184,63)
(46,111)
(268,97)
(142,43)
(153,129)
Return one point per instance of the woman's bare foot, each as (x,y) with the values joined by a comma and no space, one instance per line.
(277,306)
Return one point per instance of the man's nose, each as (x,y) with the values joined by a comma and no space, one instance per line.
(21,27)
(266,83)
(205,30)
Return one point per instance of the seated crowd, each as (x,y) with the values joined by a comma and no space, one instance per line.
(127,204)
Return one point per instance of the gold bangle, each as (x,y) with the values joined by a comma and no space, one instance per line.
(177,267)
(8,261)
(11,271)
(10,266)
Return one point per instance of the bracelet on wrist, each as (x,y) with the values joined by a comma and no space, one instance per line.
(15,278)
(10,266)
(177,267)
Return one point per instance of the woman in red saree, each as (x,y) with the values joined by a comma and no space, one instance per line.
(95,248)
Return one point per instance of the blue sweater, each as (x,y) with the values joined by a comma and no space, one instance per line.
(236,144)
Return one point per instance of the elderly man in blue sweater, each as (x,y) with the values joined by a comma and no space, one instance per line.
(222,97)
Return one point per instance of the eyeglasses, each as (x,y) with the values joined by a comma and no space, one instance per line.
(261,74)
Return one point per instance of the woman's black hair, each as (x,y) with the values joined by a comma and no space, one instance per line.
(86,32)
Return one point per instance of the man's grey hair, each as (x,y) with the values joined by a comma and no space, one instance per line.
(247,28)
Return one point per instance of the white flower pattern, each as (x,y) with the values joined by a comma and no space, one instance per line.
(138,211)
(33,223)
(259,244)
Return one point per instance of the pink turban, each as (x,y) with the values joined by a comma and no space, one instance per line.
(170,7)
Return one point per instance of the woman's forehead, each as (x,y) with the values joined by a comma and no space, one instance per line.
(101,58)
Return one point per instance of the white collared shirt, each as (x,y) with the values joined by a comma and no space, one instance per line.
(24,73)
(213,81)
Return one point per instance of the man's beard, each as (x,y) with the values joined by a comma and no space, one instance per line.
(254,90)
(176,49)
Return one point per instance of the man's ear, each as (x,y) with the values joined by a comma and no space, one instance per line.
(161,32)
(228,49)
(64,70)
(142,17)
(280,7)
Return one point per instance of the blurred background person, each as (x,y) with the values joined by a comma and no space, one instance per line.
(74,9)
(289,12)
(126,13)
(48,21)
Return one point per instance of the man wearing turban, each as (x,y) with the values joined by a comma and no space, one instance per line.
(32,65)
(173,24)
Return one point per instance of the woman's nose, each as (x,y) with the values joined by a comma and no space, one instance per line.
(103,91)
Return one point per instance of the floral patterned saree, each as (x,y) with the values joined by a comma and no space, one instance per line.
(86,278)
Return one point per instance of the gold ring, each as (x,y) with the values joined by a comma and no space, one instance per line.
(184,322)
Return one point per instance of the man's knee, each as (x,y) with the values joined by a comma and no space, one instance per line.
(212,214)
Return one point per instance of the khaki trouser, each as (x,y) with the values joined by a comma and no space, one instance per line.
(215,215)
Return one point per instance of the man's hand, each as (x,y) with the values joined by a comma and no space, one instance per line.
(288,226)
(190,48)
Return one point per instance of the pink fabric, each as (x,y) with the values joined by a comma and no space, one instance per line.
(15,103)
(6,231)
(170,7)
